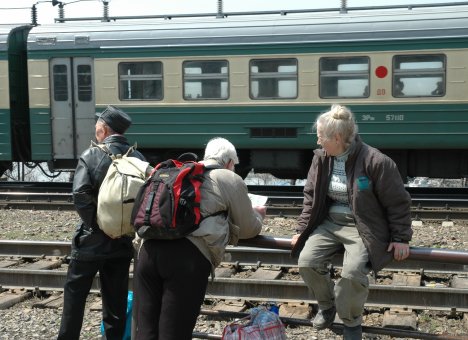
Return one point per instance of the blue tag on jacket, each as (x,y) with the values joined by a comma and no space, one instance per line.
(362,183)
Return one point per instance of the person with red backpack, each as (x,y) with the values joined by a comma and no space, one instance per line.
(171,275)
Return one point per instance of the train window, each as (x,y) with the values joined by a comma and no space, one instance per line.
(141,81)
(60,83)
(419,76)
(85,86)
(206,80)
(346,77)
(273,79)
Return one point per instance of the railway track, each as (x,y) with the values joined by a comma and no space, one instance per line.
(258,274)
(255,275)
(427,203)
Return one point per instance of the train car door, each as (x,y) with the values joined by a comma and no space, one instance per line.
(72,105)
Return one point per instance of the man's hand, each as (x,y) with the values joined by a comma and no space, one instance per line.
(261,209)
(294,239)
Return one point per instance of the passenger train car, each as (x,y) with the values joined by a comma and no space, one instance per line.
(258,80)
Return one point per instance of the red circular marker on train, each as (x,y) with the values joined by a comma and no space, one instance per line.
(381,72)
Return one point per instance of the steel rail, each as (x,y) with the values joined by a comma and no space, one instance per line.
(445,299)
(64,202)
(28,248)
(417,213)
(416,253)
(38,205)
(258,254)
(282,257)
(426,298)
(417,203)
(417,193)
(35,201)
(7,186)
(427,203)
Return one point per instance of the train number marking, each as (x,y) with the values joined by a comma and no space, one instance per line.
(395,117)
(367,117)
(381,92)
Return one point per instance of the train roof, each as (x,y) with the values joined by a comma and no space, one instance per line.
(366,25)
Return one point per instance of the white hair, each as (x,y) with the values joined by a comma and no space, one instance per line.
(103,122)
(221,150)
(338,120)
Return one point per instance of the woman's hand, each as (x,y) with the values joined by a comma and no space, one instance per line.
(400,250)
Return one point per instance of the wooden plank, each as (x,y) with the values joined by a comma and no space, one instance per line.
(224,272)
(52,302)
(402,279)
(266,274)
(401,318)
(44,264)
(10,298)
(295,310)
(231,306)
(8,263)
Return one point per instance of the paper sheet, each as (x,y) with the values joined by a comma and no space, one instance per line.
(257,200)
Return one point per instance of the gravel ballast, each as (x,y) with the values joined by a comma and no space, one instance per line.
(23,321)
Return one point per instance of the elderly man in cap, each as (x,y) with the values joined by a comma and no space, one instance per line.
(92,250)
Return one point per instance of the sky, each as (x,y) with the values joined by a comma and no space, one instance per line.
(19,11)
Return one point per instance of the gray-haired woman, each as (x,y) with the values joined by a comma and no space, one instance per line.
(355,199)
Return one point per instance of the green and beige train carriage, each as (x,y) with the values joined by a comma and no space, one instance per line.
(259,81)
(14,114)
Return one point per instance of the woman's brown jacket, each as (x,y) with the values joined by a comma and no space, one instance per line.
(377,196)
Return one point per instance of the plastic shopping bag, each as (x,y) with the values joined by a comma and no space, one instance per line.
(261,324)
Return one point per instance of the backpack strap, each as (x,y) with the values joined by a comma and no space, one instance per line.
(213,166)
(131,149)
(104,147)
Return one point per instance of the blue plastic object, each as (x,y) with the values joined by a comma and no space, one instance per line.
(128,323)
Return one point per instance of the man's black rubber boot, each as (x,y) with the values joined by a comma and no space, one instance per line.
(324,318)
(352,333)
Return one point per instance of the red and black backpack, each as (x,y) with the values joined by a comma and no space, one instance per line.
(167,206)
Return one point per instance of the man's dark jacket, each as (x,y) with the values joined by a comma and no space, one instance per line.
(377,198)
(89,242)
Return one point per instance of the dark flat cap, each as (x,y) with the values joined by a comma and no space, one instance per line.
(118,120)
